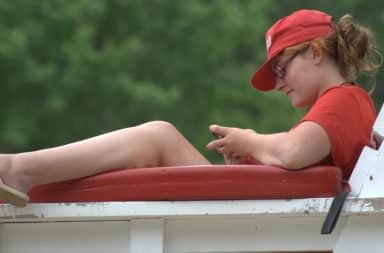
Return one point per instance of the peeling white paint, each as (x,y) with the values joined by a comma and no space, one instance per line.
(181,209)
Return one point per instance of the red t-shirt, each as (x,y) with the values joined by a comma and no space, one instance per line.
(347,114)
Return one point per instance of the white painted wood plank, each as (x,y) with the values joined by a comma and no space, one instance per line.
(362,234)
(254,234)
(363,170)
(147,236)
(374,185)
(63,237)
(181,209)
(378,126)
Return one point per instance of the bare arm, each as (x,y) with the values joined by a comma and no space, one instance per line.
(305,145)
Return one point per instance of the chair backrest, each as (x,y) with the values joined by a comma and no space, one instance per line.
(378,129)
(367,179)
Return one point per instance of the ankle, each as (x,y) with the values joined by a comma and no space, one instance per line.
(13,174)
(5,165)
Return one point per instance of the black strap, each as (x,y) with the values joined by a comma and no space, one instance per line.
(334,212)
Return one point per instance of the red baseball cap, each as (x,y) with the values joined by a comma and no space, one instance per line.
(300,26)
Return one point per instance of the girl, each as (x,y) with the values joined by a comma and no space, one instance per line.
(311,59)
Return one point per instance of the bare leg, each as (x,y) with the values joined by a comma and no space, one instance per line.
(151,144)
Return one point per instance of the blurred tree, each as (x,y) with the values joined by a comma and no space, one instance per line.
(74,69)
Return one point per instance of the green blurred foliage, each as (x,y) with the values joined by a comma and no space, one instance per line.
(72,69)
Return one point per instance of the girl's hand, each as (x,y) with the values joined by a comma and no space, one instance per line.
(234,143)
(376,140)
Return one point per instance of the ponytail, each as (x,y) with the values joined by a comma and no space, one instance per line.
(353,47)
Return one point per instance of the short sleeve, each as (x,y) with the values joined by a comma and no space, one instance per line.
(347,116)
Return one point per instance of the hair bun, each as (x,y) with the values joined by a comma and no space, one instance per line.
(356,37)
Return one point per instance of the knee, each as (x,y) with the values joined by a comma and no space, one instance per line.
(161,128)
(163,133)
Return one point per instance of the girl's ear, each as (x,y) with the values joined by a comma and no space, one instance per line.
(317,53)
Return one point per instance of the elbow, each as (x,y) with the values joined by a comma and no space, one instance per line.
(291,162)
(289,158)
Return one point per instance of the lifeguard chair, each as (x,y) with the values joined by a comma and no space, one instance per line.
(205,209)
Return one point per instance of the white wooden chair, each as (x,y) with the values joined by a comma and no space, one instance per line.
(206,226)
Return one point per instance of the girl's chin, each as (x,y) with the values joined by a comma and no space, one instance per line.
(297,103)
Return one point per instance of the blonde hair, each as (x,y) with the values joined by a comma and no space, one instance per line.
(351,46)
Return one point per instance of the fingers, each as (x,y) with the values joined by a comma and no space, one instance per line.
(234,159)
(220,144)
(219,131)
(376,140)
(216,144)
(221,148)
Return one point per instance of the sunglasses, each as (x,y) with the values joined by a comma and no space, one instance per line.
(280,69)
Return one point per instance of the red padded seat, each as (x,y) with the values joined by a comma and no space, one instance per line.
(214,182)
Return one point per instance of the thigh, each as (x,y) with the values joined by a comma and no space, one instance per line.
(173,147)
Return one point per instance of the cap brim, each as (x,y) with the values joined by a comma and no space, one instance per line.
(264,79)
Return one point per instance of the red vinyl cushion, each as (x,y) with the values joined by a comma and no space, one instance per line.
(214,182)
